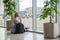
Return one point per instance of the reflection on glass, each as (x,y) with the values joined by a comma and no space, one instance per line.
(26,12)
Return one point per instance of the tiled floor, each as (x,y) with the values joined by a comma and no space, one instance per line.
(24,36)
(28,36)
(2,33)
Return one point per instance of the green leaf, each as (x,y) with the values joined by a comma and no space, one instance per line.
(9,7)
(50,8)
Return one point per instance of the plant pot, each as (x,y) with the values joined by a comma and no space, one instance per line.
(50,30)
(8,25)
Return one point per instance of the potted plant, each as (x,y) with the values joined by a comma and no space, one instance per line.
(50,10)
(9,9)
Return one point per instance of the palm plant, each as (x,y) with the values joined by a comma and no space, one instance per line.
(50,9)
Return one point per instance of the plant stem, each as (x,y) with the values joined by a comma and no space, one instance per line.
(50,12)
(50,19)
(12,20)
(56,12)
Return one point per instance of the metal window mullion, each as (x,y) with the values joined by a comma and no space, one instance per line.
(34,12)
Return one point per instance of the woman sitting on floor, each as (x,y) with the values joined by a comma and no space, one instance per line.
(18,24)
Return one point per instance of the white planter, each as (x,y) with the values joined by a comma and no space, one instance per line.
(50,30)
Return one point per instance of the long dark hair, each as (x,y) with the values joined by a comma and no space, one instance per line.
(16,14)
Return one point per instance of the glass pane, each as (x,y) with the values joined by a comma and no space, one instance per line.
(40,23)
(2,30)
(26,12)
(1,13)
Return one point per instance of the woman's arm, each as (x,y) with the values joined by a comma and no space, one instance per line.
(20,20)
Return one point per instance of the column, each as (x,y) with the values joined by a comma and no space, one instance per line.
(34,12)
(17,5)
(58,18)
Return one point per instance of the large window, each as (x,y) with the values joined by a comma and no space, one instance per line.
(25,10)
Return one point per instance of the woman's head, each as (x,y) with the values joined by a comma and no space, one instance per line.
(16,14)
